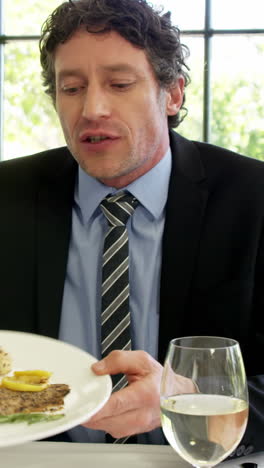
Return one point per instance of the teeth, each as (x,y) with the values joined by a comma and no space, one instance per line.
(96,139)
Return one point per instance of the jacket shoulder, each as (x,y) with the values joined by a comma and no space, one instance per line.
(29,169)
(215,162)
(52,156)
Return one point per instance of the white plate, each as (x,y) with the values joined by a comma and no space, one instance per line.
(69,365)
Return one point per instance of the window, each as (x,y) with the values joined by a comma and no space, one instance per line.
(224,99)
(28,121)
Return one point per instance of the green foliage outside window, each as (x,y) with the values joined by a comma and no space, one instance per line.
(30,121)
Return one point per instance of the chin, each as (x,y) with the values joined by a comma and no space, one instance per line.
(99,174)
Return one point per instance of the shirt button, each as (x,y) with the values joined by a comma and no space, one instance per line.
(240,451)
(249,449)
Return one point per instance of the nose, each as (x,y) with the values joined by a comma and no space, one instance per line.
(96,104)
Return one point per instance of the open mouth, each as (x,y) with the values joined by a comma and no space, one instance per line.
(96,139)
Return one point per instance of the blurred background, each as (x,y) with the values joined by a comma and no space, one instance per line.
(225,99)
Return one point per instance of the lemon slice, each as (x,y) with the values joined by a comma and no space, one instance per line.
(35,376)
(35,372)
(31,379)
(19,385)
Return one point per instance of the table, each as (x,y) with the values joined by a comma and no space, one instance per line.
(75,455)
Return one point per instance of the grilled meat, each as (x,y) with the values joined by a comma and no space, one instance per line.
(50,399)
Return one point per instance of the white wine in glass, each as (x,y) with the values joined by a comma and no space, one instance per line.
(204,398)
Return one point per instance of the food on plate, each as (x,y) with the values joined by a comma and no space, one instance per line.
(42,374)
(49,399)
(27,381)
(5,362)
(27,395)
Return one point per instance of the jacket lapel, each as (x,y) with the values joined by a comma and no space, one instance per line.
(186,203)
(54,213)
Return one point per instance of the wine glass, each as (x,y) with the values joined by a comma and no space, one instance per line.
(204,398)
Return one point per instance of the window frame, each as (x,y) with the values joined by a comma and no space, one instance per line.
(208,32)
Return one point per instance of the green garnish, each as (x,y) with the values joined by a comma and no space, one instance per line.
(30,418)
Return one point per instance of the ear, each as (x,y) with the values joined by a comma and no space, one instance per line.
(175,97)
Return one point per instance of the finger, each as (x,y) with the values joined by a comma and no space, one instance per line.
(126,362)
(129,398)
(126,425)
(139,394)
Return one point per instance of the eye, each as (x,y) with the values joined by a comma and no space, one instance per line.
(72,90)
(121,86)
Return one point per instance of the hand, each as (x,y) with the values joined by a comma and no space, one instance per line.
(135,408)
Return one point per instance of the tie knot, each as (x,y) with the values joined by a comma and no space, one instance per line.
(118,208)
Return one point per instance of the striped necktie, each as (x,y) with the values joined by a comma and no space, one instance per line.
(115,328)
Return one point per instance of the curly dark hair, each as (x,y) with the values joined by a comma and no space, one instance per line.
(135,20)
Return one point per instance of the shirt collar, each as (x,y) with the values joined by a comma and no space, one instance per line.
(151,189)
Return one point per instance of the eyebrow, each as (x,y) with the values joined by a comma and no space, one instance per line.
(69,72)
(119,67)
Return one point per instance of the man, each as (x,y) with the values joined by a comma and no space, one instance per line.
(115,73)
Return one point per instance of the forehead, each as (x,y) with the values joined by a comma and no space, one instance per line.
(101,51)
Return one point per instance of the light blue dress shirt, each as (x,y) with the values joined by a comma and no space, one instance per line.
(81,307)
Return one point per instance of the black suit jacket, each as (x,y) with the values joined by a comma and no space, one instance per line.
(213,251)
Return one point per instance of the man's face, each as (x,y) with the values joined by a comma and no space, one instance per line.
(112,112)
